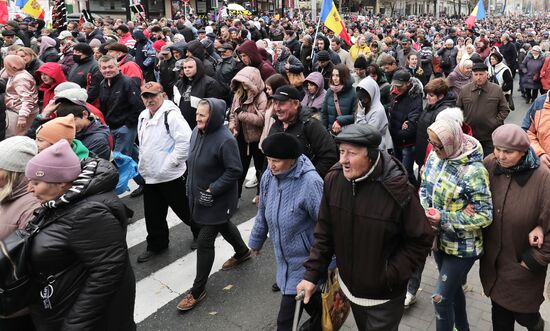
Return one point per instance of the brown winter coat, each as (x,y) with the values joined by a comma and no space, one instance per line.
(520,203)
(485,109)
(249,121)
(376,227)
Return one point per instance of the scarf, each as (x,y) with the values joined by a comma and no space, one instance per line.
(529,162)
(451,136)
(336,88)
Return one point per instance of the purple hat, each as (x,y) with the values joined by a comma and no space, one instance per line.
(512,137)
(56,164)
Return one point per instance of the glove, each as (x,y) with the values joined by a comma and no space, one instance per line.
(205,198)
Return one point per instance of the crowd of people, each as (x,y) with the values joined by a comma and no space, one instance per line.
(367,157)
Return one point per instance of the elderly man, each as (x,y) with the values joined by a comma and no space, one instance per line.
(291,194)
(317,144)
(484,105)
(164,137)
(372,221)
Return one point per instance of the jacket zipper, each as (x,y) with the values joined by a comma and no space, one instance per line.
(279,230)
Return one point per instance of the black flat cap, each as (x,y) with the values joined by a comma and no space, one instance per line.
(479,67)
(285,93)
(360,134)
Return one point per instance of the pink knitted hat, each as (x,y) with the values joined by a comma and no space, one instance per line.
(56,164)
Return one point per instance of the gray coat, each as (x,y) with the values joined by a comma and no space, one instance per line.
(214,164)
(530,67)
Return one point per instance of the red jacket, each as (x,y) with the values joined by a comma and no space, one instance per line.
(53,70)
(131,69)
(545,74)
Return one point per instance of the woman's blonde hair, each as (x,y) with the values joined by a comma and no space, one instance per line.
(28,51)
(12,180)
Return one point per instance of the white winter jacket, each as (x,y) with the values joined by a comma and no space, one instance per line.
(163,144)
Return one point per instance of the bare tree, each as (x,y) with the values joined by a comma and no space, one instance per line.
(388,4)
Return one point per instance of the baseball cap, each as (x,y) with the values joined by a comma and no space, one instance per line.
(165,50)
(178,65)
(285,93)
(152,88)
(401,77)
(64,34)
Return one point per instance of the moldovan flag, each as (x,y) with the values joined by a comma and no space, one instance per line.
(4,16)
(333,21)
(31,8)
(477,14)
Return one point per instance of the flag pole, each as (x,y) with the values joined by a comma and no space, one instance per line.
(315,36)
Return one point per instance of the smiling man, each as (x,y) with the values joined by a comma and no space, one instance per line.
(372,221)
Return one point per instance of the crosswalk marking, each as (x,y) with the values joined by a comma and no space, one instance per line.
(137,232)
(170,282)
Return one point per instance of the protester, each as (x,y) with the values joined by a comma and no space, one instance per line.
(455,194)
(539,128)
(530,68)
(84,248)
(460,77)
(314,87)
(86,72)
(340,103)
(48,51)
(519,186)
(368,183)
(291,193)
(126,63)
(51,75)
(271,85)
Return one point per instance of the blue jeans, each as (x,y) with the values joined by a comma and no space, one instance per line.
(449,300)
(406,156)
(124,140)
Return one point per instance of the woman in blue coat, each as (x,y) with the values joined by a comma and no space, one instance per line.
(340,101)
(290,197)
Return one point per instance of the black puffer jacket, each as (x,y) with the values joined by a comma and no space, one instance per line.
(202,86)
(427,117)
(85,247)
(168,76)
(214,164)
(406,108)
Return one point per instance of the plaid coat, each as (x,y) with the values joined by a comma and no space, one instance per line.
(449,185)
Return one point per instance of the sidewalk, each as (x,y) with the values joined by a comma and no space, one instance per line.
(421,316)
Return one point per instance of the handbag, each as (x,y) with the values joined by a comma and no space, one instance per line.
(336,306)
(18,286)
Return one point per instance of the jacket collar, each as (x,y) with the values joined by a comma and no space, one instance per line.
(483,87)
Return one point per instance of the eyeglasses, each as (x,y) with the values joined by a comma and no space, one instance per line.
(435,146)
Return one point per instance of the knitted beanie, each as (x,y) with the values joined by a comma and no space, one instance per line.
(511,137)
(57,129)
(15,153)
(56,164)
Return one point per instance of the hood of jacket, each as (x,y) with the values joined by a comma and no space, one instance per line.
(448,101)
(416,88)
(326,42)
(200,72)
(139,36)
(196,48)
(473,152)
(300,167)
(45,43)
(251,79)
(249,48)
(13,64)
(317,79)
(285,54)
(97,176)
(54,70)
(179,47)
(370,85)
(217,114)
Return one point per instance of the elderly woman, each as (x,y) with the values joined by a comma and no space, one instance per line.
(461,76)
(291,192)
(530,67)
(16,206)
(454,183)
(21,96)
(501,74)
(83,247)
(214,169)
(512,272)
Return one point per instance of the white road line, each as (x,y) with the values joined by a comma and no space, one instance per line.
(170,282)
(137,232)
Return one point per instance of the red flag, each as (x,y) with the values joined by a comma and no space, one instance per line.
(4,16)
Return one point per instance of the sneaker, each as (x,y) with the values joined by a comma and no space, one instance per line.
(410,299)
(251,183)
(147,255)
(233,261)
(189,302)
(255,200)
(137,192)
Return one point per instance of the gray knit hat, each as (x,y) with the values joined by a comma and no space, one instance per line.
(15,153)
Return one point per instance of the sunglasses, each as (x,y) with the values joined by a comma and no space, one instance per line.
(435,146)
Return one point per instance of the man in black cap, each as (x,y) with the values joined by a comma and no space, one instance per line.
(405,111)
(317,144)
(86,72)
(324,65)
(372,221)
(10,38)
(228,67)
(484,105)
(360,67)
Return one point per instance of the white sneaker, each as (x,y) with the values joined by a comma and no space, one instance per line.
(254,200)
(410,299)
(251,183)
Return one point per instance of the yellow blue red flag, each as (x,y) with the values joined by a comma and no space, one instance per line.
(31,8)
(332,20)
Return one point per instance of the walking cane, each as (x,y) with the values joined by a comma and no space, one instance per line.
(298,299)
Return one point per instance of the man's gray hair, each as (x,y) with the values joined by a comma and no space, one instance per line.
(88,25)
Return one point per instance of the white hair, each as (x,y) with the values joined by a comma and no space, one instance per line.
(454,114)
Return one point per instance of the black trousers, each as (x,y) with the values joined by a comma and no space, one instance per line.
(286,312)
(533,93)
(206,252)
(504,319)
(156,200)
(22,323)
(248,151)
(384,317)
